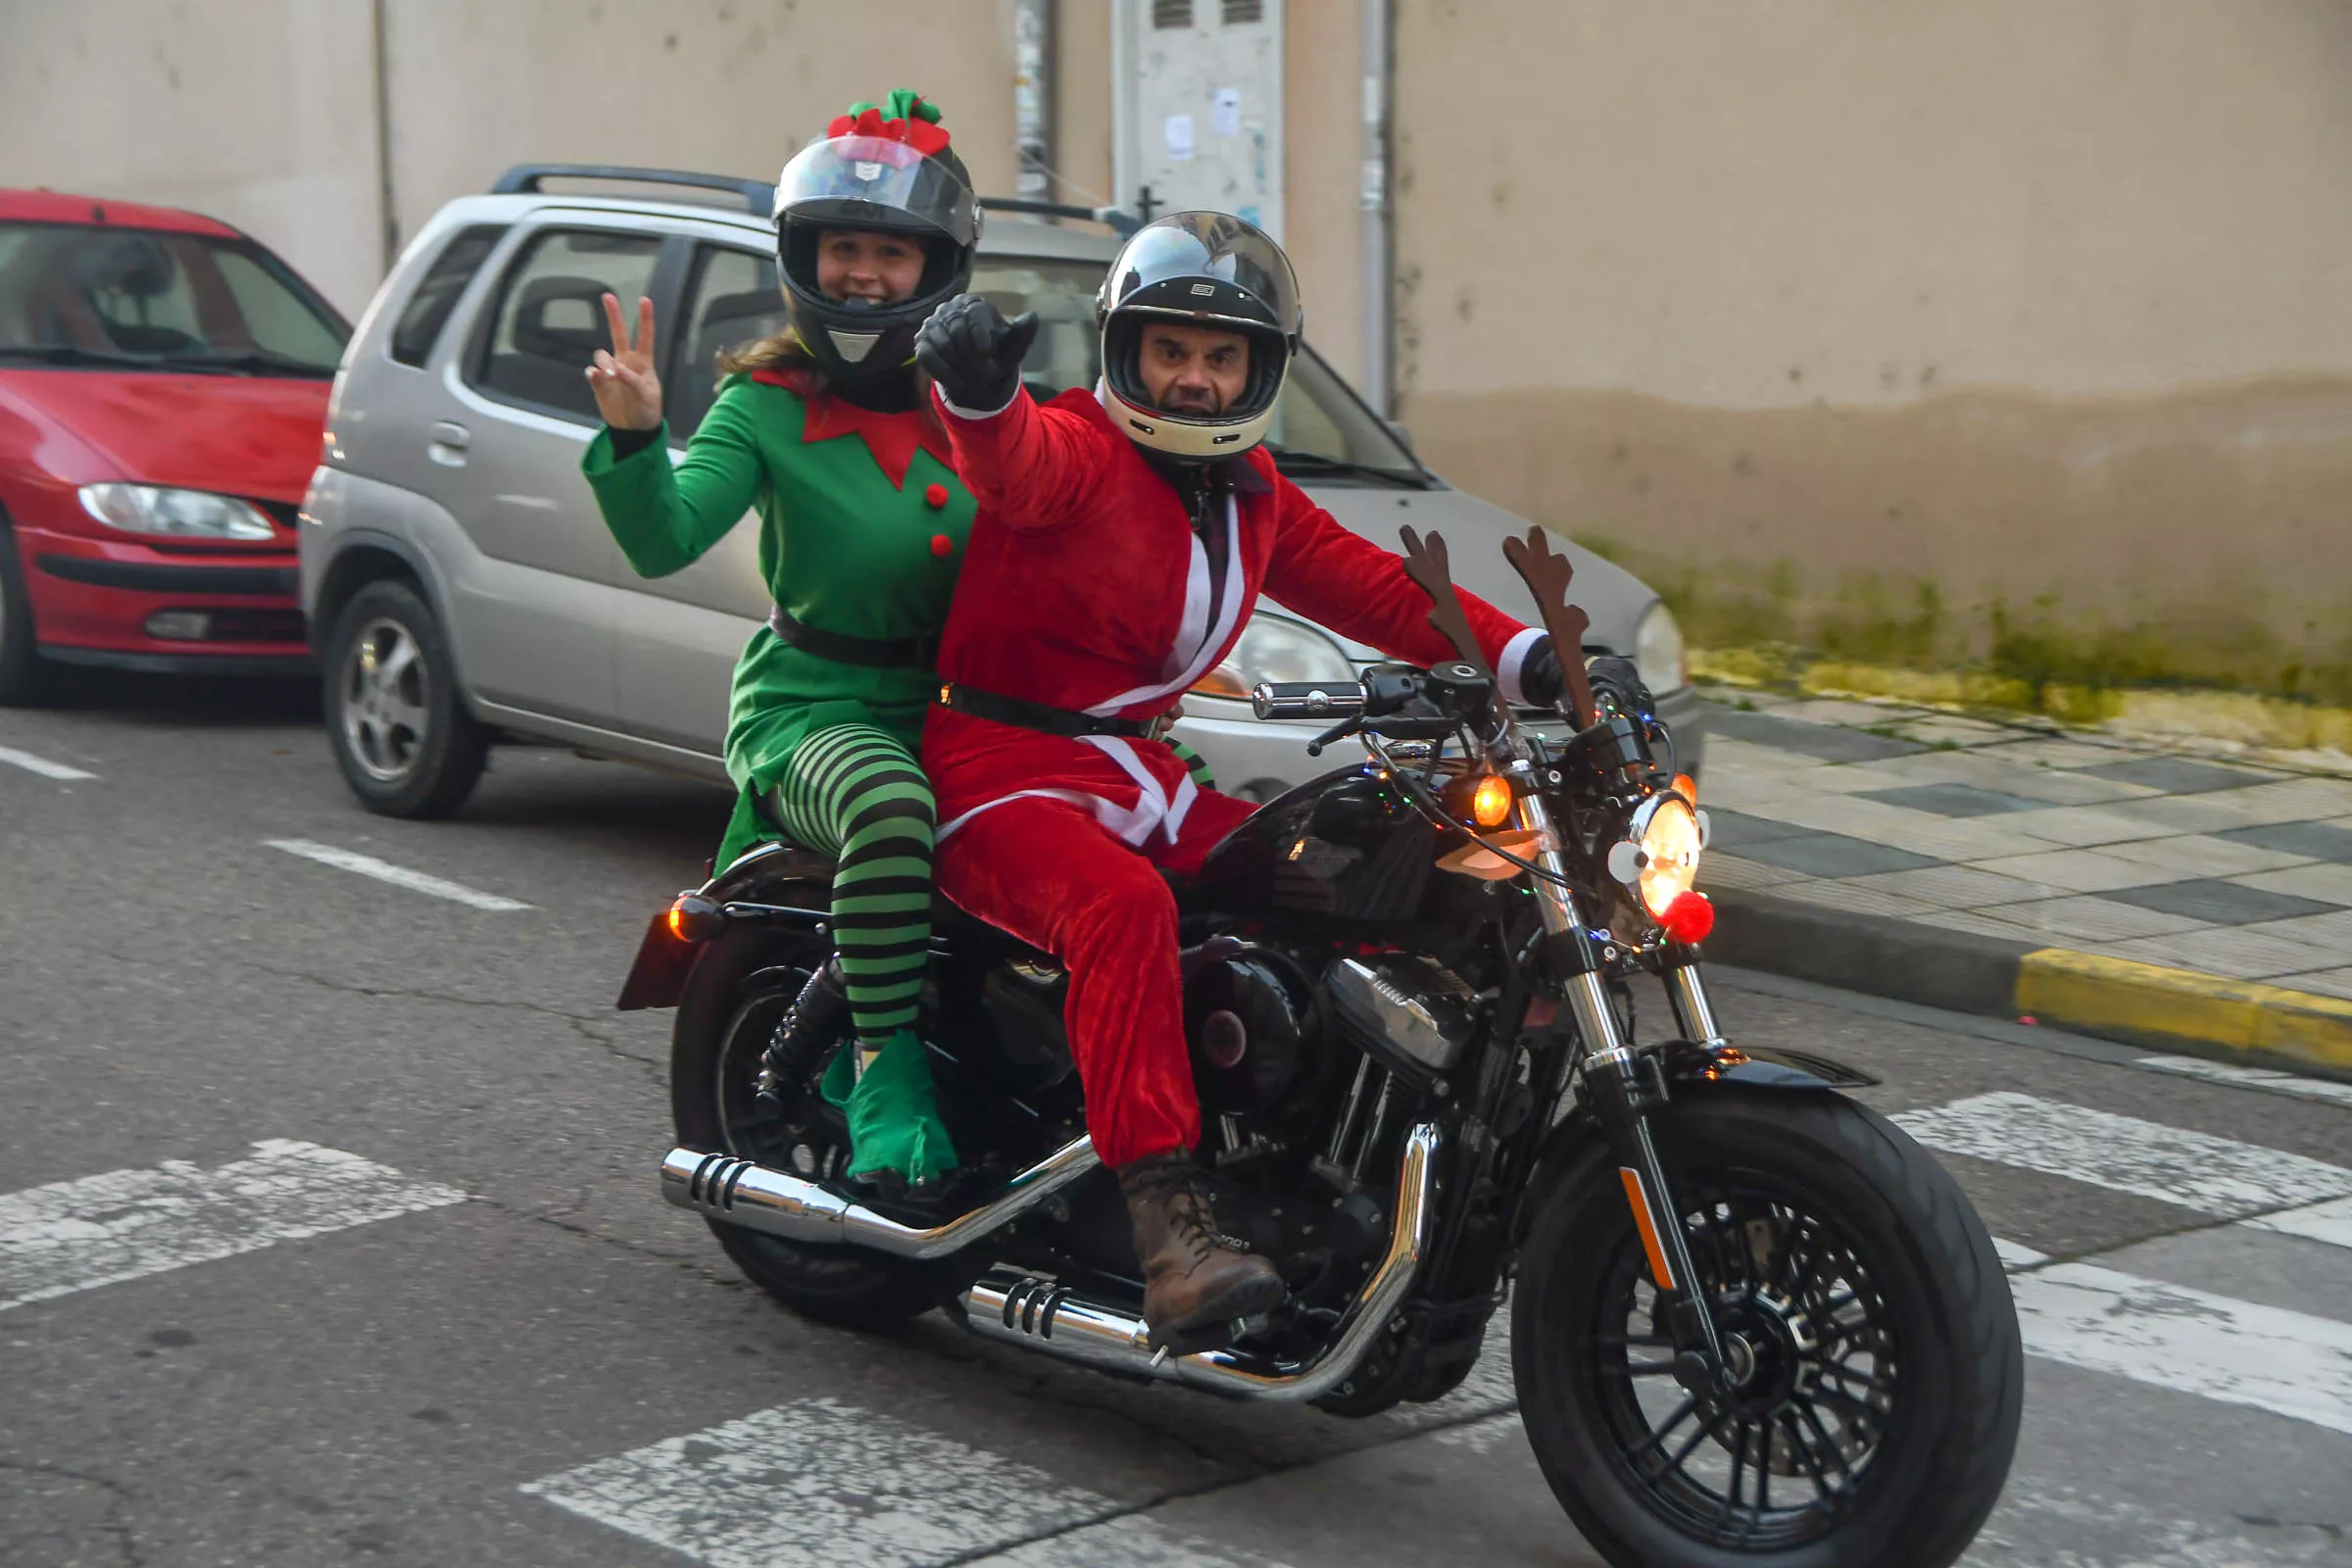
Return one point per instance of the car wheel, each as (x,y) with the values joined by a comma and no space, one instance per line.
(22,670)
(400,731)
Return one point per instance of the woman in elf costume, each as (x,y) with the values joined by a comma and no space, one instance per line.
(828,430)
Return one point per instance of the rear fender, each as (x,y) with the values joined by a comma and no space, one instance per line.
(773,885)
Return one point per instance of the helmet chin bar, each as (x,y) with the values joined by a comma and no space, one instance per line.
(853,347)
(1180,437)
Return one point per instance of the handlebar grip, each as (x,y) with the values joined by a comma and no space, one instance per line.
(1307,699)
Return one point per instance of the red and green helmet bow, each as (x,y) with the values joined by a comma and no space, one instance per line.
(903,116)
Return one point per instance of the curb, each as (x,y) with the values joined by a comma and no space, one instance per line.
(2180,1011)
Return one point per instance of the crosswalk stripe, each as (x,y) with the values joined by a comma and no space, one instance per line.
(41,766)
(99,1230)
(2196,1170)
(2329,1222)
(819,1480)
(2270,1080)
(2190,1340)
(400,876)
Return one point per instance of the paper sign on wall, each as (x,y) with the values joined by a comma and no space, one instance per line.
(1179,131)
(1225,113)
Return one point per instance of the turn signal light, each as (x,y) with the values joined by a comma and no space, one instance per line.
(694,919)
(1686,787)
(1491,802)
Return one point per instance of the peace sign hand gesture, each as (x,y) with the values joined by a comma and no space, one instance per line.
(628,394)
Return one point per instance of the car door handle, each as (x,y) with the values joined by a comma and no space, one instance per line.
(449,443)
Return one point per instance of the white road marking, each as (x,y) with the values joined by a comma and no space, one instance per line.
(2270,1080)
(399,876)
(2196,1170)
(2173,1336)
(98,1230)
(2329,1222)
(41,766)
(2015,1255)
(818,1481)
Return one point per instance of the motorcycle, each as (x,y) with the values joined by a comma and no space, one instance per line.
(1749,1318)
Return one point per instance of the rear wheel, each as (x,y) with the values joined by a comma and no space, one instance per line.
(1864,1313)
(400,731)
(741,985)
(22,674)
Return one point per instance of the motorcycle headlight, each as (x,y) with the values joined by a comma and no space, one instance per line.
(1658,652)
(178,514)
(1274,649)
(1663,862)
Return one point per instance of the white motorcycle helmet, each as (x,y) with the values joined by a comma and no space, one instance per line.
(1204,269)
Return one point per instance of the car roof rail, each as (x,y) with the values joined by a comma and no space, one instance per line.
(1117,219)
(759,195)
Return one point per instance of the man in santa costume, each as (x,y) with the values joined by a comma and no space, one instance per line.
(1124,536)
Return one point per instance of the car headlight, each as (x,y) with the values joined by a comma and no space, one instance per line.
(1274,649)
(1658,652)
(179,513)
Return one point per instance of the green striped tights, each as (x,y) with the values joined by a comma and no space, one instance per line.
(854,792)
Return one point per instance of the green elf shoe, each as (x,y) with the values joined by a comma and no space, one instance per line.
(894,1118)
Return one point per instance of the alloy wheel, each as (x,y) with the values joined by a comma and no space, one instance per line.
(385,712)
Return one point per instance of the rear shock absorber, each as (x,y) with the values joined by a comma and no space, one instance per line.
(814,1022)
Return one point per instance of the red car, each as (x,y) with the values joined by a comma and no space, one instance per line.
(163,389)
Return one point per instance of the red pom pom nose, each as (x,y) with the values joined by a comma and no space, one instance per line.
(1688,918)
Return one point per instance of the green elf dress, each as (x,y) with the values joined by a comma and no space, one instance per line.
(863,530)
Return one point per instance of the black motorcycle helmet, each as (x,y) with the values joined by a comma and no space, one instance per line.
(1203,270)
(886,170)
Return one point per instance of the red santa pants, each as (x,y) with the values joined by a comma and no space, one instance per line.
(1049,873)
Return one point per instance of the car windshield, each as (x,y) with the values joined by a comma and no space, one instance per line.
(152,299)
(1321,429)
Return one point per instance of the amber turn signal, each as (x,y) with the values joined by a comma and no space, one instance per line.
(1686,787)
(1491,802)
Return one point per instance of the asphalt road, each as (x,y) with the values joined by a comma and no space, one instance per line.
(328,1231)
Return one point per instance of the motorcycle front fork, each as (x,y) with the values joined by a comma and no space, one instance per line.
(1626,1090)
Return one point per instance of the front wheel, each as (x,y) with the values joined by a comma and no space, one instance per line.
(399,729)
(1864,1316)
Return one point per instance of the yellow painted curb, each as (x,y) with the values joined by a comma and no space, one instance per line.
(2243,1017)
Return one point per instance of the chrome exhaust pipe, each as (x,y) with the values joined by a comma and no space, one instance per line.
(760,1197)
(1042,1315)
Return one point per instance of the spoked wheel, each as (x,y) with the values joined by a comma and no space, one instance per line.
(741,986)
(1873,1347)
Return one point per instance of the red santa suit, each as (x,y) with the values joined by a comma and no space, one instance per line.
(1087,589)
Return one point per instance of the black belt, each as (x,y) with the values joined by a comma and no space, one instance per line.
(1036,715)
(882,652)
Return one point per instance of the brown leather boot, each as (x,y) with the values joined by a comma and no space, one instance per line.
(1195,1278)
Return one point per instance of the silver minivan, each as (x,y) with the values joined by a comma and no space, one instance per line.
(461,588)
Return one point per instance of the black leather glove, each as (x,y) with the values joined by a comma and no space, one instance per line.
(1540,678)
(1613,676)
(973,353)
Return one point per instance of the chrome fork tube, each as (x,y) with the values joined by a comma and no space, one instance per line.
(1691,1011)
(1588,996)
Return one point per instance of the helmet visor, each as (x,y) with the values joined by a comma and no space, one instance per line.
(873,183)
(1207,267)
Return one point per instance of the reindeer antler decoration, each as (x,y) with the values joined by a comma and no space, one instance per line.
(1425,562)
(1546,574)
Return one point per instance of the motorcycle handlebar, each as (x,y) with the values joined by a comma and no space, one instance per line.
(1307,699)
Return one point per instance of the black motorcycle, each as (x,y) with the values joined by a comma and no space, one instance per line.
(1751,1319)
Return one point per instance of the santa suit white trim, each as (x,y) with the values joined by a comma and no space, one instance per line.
(1208,649)
(1153,811)
(1513,661)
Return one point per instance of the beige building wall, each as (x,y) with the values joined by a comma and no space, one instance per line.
(2012,296)
(260,115)
(264,112)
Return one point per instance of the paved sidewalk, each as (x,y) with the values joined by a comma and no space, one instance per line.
(1918,822)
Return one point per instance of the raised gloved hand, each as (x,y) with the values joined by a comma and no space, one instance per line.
(973,353)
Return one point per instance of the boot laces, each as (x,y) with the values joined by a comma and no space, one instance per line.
(1193,1217)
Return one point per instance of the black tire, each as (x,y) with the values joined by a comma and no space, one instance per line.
(741,984)
(24,674)
(398,727)
(1921,1466)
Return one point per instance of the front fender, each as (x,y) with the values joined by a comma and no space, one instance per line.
(1690,1069)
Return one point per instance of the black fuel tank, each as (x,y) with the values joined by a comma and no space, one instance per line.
(1345,845)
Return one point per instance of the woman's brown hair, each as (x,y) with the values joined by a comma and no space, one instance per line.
(785,353)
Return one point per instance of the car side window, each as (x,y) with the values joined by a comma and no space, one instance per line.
(550,316)
(427,310)
(735,301)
